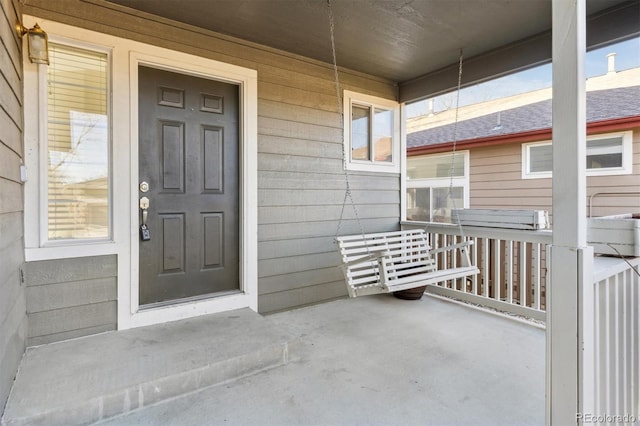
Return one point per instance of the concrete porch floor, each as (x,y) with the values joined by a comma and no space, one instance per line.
(371,360)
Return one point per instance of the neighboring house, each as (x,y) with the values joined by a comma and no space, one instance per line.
(503,158)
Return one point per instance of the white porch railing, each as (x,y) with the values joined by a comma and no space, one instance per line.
(612,342)
(513,277)
(512,265)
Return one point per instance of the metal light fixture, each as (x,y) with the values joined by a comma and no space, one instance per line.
(37,42)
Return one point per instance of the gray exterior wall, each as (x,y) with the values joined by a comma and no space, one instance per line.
(13,320)
(70,298)
(301,182)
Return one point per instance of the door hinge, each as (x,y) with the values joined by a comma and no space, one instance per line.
(21,276)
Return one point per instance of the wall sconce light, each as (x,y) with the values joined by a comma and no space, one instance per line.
(37,42)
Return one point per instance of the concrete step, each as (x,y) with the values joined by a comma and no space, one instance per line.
(93,378)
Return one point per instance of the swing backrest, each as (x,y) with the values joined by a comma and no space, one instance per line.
(406,254)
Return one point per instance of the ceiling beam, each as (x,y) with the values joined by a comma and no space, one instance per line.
(609,26)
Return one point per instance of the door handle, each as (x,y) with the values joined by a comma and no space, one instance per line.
(144,206)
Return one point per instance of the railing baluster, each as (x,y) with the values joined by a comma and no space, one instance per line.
(607,344)
(510,277)
(497,262)
(508,269)
(474,260)
(615,342)
(485,267)
(635,344)
(535,265)
(598,347)
(523,281)
(445,256)
(626,349)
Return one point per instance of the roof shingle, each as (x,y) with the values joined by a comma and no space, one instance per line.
(601,105)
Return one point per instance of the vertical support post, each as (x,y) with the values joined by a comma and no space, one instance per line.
(569,124)
(570,259)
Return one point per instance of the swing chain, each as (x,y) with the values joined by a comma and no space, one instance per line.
(453,152)
(348,195)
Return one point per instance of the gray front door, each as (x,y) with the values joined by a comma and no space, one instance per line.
(188,156)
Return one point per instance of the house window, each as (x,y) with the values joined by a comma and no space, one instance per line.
(607,154)
(372,133)
(436,184)
(76,145)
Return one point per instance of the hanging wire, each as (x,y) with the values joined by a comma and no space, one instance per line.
(621,256)
(453,151)
(348,195)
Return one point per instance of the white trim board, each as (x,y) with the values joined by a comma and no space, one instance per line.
(125,57)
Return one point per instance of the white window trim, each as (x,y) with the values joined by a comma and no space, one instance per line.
(37,243)
(446,182)
(350,98)
(124,164)
(627,157)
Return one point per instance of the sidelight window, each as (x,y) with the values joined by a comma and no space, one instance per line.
(76,144)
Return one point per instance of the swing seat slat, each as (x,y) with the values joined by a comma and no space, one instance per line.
(399,260)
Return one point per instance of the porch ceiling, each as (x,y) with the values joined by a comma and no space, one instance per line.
(406,41)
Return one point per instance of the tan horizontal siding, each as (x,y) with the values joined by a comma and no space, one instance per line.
(9,164)
(304,295)
(496,182)
(280,214)
(46,326)
(70,297)
(11,131)
(322,197)
(294,246)
(601,197)
(511,184)
(301,181)
(300,114)
(310,180)
(296,130)
(13,320)
(286,231)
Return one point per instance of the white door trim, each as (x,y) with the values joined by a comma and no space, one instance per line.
(246,80)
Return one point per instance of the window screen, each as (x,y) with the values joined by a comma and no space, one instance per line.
(604,153)
(540,158)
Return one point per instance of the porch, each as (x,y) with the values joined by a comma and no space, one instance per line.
(367,360)
(295,147)
(371,360)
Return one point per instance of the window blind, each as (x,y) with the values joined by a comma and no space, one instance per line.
(77,143)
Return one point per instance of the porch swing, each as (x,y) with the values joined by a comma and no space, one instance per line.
(387,262)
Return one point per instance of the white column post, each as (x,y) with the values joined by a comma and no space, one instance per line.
(570,259)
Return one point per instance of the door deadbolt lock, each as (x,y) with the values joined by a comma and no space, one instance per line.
(144,186)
